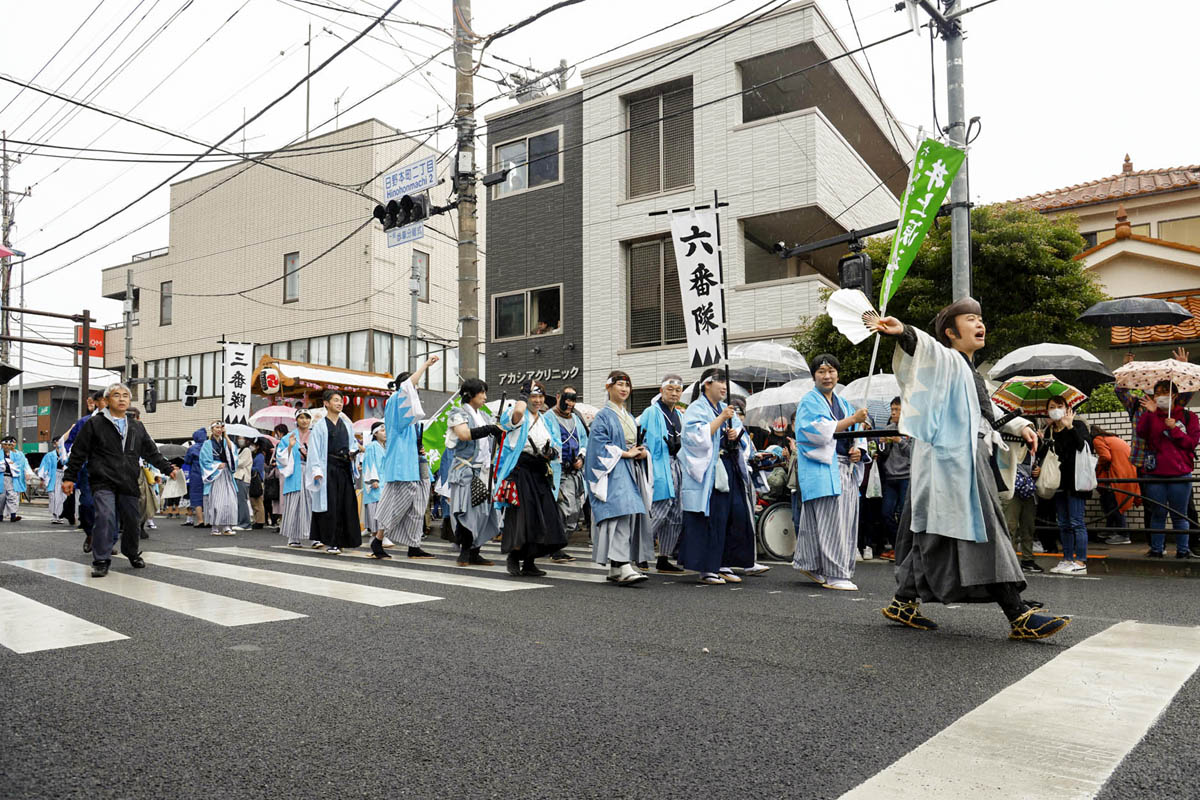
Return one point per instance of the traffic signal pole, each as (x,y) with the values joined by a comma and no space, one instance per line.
(960,203)
(128,328)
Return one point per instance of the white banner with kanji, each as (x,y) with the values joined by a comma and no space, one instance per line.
(694,235)
(235,407)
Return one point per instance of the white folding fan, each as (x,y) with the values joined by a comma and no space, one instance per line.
(850,309)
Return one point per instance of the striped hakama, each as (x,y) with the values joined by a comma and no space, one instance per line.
(402,511)
(370,512)
(297,517)
(57,498)
(483,520)
(828,530)
(666,516)
(11,498)
(570,500)
(622,539)
(220,504)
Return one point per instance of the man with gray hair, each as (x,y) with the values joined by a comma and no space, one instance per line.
(663,426)
(110,443)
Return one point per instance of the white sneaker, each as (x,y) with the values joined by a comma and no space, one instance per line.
(1076,568)
(867,555)
(1060,568)
(1037,547)
(240,528)
(629,575)
(857,555)
(757,569)
(333,551)
(841,585)
(150,524)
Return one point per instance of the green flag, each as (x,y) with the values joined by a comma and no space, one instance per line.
(933,170)
(434,436)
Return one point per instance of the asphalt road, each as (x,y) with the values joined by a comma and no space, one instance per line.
(774,688)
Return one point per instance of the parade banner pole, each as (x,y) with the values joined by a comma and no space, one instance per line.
(721,278)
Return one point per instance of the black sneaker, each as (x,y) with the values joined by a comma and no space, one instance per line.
(643,565)
(665,566)
(87,544)
(99,569)
(1031,566)
(416,552)
(1182,554)
(1153,554)
(562,557)
(532,571)
(513,565)
(137,562)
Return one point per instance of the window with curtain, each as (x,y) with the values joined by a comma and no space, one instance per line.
(1181,231)
(318,350)
(655,304)
(383,351)
(166,299)
(532,162)
(420,266)
(337,350)
(206,374)
(359,356)
(291,277)
(299,349)
(399,354)
(661,146)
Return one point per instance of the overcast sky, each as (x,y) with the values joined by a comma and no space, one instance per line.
(1064,89)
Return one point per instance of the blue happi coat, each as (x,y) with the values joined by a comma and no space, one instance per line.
(514,443)
(48,470)
(701,452)
(400,417)
(210,467)
(371,470)
(291,469)
(19,468)
(617,487)
(318,460)
(817,471)
(654,422)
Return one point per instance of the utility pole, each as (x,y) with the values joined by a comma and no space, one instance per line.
(6,224)
(21,366)
(85,362)
(128,376)
(468,255)
(414,289)
(960,206)
(308,84)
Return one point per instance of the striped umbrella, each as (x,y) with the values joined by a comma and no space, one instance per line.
(1030,394)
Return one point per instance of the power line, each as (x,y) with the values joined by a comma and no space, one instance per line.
(226,138)
(871,72)
(78,28)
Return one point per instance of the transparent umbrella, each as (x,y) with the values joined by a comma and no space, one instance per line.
(878,404)
(766,362)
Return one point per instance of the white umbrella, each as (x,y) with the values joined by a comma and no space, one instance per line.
(883,388)
(244,431)
(267,418)
(734,390)
(766,362)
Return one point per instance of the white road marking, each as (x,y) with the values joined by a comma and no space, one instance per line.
(581,562)
(498,569)
(322,561)
(1089,706)
(225,611)
(27,626)
(338,590)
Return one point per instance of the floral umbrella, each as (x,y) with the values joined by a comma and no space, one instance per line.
(1029,395)
(1144,374)
(587,412)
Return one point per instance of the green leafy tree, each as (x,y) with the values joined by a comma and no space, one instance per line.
(1025,277)
(1103,399)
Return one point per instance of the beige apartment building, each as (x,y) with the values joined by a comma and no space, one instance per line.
(258,254)
(1142,229)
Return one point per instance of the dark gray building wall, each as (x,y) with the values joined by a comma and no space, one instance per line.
(534,238)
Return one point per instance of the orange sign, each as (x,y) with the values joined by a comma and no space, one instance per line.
(96,349)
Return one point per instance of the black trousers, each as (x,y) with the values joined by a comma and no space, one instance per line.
(337,525)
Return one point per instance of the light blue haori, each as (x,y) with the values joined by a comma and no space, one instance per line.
(817,471)
(318,460)
(654,421)
(616,486)
(941,412)
(514,443)
(701,454)
(19,466)
(371,469)
(210,467)
(292,469)
(48,470)
(400,418)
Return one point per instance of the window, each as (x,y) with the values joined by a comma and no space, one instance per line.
(383,352)
(399,354)
(291,277)
(299,350)
(172,392)
(533,312)
(1104,236)
(532,162)
(660,142)
(419,348)
(318,350)
(194,373)
(165,301)
(260,350)
(207,361)
(337,350)
(1181,231)
(358,358)
(655,305)
(151,370)
(420,271)
(437,373)
(279,350)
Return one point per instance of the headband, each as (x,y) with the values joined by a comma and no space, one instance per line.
(671,380)
(376,427)
(303,412)
(535,389)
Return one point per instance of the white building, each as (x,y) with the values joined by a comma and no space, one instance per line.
(803,158)
(257,254)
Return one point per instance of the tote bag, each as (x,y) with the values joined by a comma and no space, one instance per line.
(1051,476)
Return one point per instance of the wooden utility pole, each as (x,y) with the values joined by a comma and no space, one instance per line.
(464,169)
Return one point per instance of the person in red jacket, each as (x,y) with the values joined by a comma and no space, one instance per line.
(1171,433)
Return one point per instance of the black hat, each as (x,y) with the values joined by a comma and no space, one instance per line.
(945,317)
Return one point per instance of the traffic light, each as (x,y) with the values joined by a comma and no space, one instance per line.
(151,402)
(191,393)
(408,209)
(854,272)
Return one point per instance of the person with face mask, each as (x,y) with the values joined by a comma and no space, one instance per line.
(1171,433)
(953,544)
(664,428)
(529,474)
(1067,437)
(572,494)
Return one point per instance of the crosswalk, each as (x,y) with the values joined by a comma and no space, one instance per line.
(29,626)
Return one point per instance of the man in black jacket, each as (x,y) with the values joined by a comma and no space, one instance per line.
(110,443)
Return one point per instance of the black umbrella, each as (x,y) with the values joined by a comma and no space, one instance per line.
(170,451)
(1135,312)
(1069,364)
